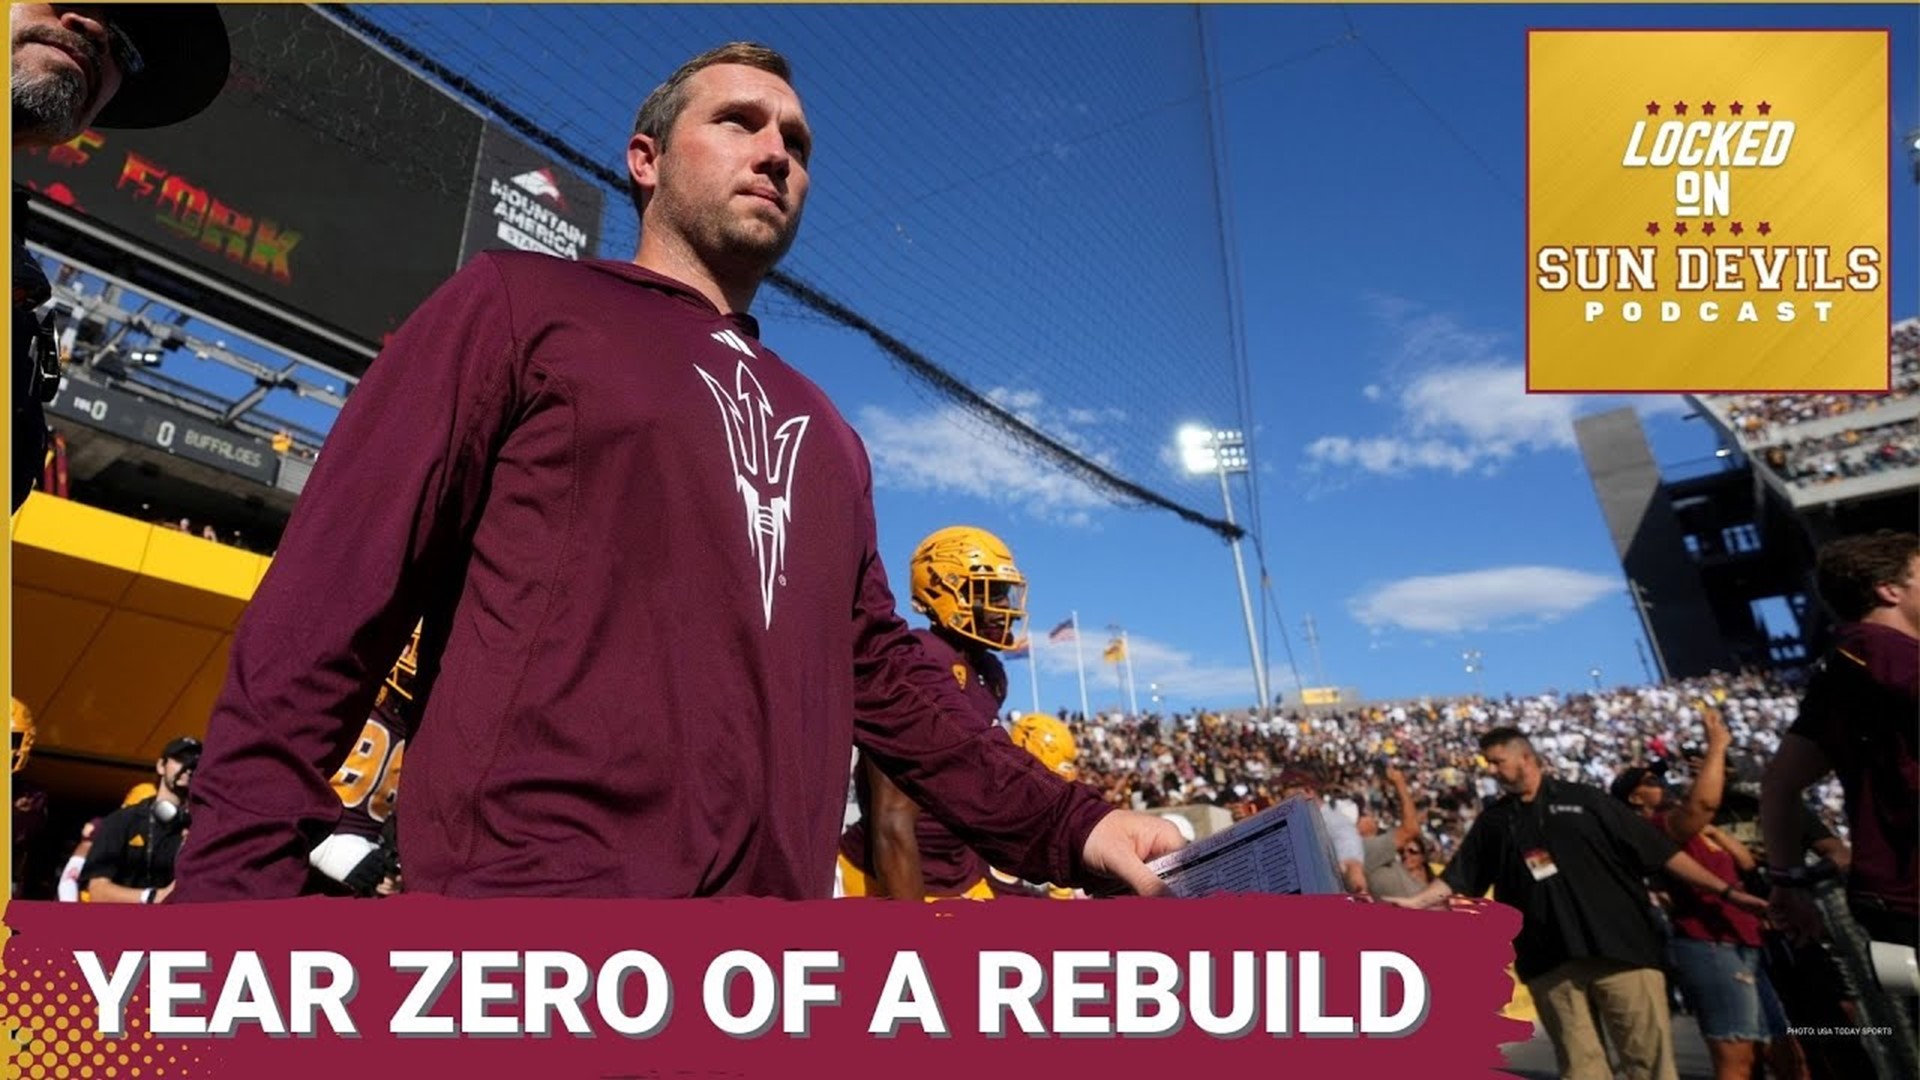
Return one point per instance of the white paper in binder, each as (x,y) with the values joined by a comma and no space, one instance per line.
(1283,850)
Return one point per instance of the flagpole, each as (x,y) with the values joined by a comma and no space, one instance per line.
(1033,675)
(1033,665)
(1080,662)
(1126,654)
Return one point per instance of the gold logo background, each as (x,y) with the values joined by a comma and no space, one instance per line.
(1587,89)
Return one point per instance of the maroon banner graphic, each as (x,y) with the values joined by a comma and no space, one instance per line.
(1305,986)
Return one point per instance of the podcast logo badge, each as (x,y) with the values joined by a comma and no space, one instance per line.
(1707,210)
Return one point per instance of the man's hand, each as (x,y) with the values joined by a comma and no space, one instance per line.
(1121,844)
(1718,737)
(1396,778)
(1434,895)
(1792,911)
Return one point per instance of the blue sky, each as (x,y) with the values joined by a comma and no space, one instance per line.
(1417,503)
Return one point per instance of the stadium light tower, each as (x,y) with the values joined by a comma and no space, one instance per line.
(1474,668)
(1204,450)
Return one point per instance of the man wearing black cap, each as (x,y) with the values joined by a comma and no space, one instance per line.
(81,65)
(134,848)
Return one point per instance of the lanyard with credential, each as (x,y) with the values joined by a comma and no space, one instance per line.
(1533,837)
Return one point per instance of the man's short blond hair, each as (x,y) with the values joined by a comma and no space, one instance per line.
(663,107)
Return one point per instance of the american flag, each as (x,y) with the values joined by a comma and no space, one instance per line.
(1063,632)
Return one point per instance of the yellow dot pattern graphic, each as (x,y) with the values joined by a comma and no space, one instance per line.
(53,1033)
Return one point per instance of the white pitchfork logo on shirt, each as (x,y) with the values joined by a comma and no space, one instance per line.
(762,469)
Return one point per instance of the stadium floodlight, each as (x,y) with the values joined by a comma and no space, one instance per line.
(1913,152)
(1206,450)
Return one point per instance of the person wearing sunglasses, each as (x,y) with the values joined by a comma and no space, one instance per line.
(1396,861)
(77,66)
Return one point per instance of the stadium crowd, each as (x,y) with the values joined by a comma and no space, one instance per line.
(1244,763)
(1241,762)
(1848,454)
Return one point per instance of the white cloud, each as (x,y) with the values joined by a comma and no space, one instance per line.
(1386,454)
(946,450)
(1460,404)
(1016,401)
(1502,597)
(1183,678)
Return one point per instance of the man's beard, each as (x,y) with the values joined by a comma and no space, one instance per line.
(756,243)
(46,107)
(720,236)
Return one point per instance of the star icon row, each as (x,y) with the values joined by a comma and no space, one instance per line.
(1707,108)
(1707,228)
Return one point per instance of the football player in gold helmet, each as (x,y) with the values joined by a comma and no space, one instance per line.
(1051,740)
(965,581)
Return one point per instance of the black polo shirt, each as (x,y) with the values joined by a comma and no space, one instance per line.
(1595,903)
(134,848)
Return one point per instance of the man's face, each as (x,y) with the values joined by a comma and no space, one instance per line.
(1509,764)
(65,70)
(994,612)
(176,775)
(732,178)
(1905,595)
(1649,796)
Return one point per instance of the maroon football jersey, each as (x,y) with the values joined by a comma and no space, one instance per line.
(948,866)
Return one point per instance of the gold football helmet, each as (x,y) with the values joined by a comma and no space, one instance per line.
(964,580)
(1048,739)
(22,727)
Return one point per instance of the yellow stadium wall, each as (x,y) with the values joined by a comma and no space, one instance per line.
(120,638)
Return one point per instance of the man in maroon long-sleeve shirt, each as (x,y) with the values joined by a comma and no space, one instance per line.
(644,550)
(1857,721)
